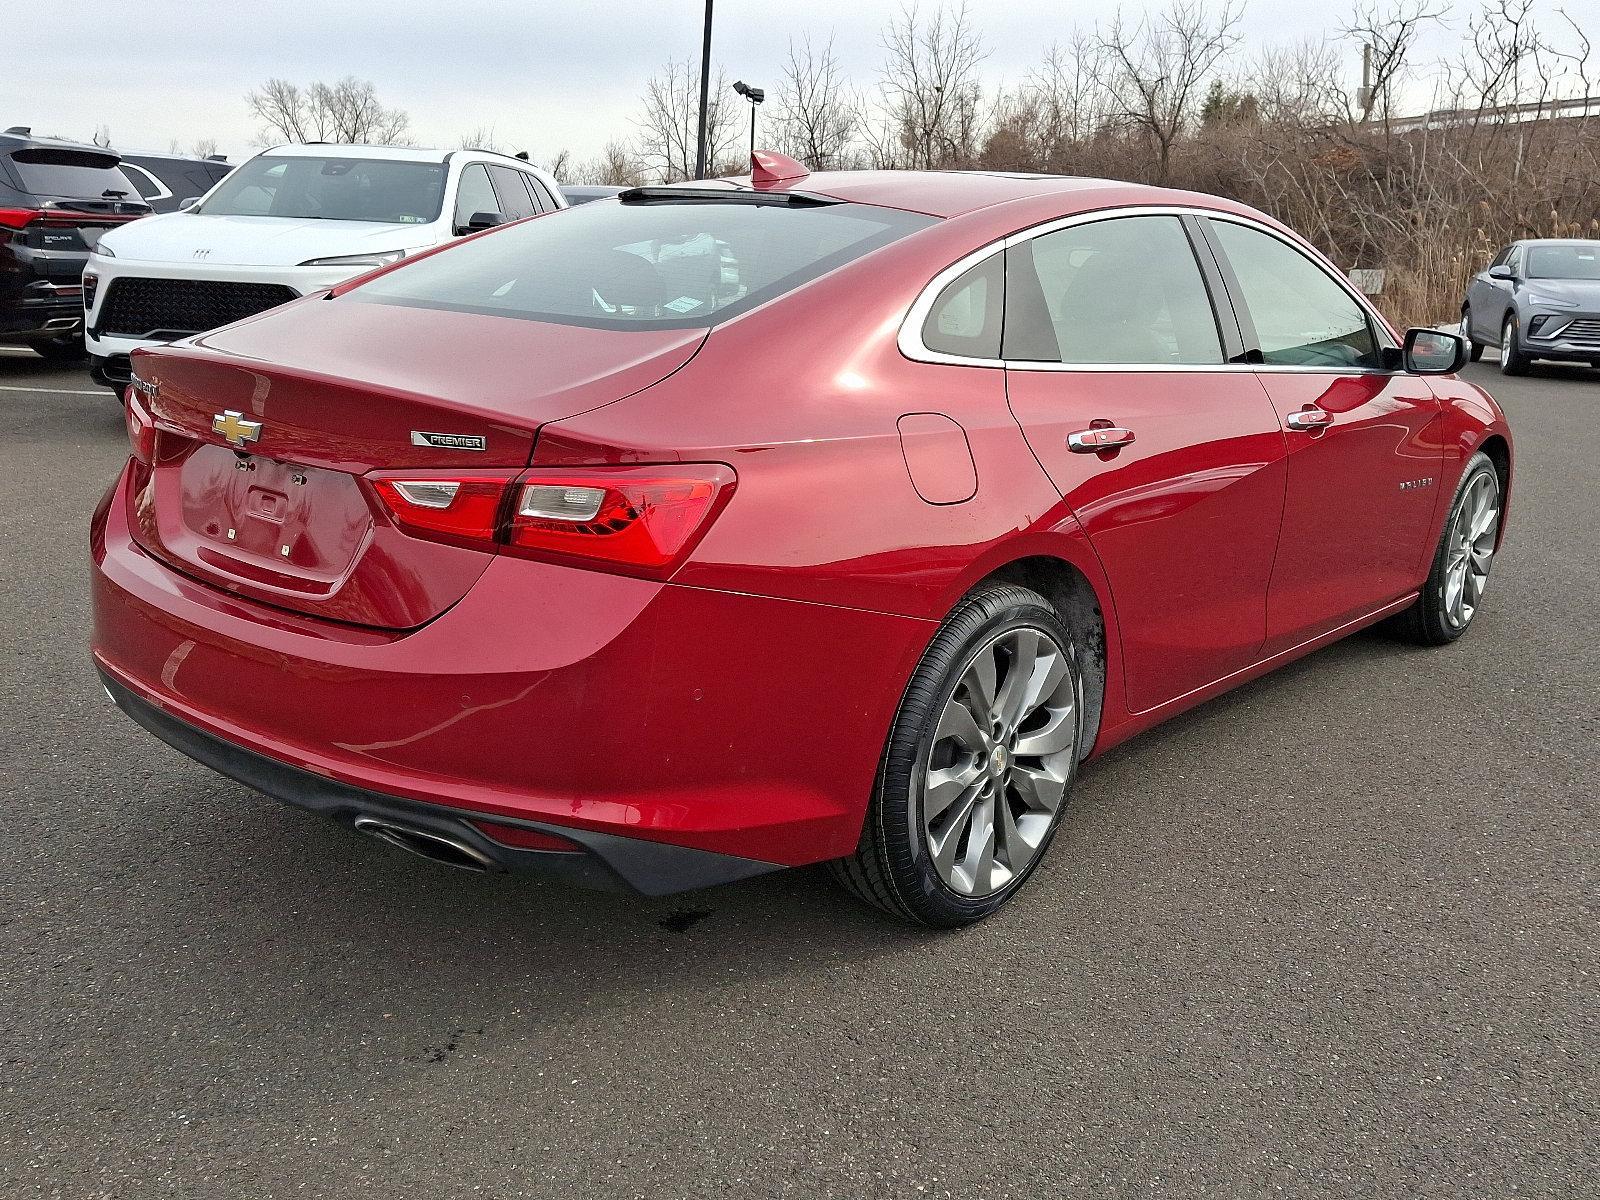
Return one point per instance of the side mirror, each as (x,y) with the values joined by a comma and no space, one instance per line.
(187,204)
(1501,272)
(1434,352)
(480,221)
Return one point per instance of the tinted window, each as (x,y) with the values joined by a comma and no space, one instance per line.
(332,189)
(1501,258)
(541,195)
(75,174)
(1126,290)
(965,319)
(1571,260)
(649,264)
(1302,317)
(144,180)
(515,202)
(474,195)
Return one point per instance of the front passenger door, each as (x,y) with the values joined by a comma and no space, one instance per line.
(1364,438)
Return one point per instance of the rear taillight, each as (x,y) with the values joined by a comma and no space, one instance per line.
(141,428)
(16,218)
(463,507)
(642,520)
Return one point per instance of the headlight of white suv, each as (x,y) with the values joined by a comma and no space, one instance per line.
(357,260)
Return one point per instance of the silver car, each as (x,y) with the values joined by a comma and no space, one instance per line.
(1538,299)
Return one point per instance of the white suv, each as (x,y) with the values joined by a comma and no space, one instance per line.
(292,220)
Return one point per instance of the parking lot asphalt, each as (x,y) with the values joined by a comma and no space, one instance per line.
(1333,933)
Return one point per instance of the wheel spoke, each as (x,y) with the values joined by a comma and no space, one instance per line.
(1037,788)
(1019,672)
(978,864)
(944,845)
(1058,733)
(980,680)
(946,785)
(1049,670)
(958,723)
(1012,846)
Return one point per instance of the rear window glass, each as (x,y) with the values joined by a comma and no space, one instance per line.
(332,189)
(72,174)
(643,264)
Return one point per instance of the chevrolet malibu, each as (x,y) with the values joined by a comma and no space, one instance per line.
(789,519)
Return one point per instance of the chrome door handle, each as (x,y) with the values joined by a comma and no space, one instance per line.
(1309,418)
(1096,440)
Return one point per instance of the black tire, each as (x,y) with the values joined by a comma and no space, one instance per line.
(1425,623)
(62,350)
(1474,347)
(892,866)
(1513,361)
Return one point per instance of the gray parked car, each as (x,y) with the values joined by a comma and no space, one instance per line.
(1538,299)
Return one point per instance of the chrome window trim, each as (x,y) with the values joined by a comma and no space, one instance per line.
(910,336)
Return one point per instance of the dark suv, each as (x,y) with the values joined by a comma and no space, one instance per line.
(165,181)
(56,199)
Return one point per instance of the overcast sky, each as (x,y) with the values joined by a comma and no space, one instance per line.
(545,74)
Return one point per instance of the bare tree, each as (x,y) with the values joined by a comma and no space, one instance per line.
(561,165)
(669,128)
(617,166)
(1156,69)
(1388,32)
(930,85)
(481,138)
(204,147)
(347,111)
(817,114)
(102,136)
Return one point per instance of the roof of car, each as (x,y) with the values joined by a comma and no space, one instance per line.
(394,153)
(13,139)
(938,193)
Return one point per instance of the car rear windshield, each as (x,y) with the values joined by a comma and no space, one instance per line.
(71,174)
(332,189)
(1578,260)
(644,264)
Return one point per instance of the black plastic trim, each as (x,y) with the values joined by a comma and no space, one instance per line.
(606,862)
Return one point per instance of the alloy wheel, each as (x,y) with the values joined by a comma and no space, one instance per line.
(1470,549)
(997,768)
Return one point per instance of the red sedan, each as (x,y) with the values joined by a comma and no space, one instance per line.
(721,528)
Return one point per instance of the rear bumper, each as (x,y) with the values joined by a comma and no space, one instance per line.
(737,725)
(606,861)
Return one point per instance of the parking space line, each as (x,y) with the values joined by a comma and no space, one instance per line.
(5,387)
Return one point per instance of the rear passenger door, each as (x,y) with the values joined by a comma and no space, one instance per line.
(1364,449)
(1117,370)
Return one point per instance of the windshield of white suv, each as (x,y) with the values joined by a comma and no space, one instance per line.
(332,189)
(653,263)
(1570,260)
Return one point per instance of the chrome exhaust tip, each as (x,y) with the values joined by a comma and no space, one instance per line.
(62,324)
(435,847)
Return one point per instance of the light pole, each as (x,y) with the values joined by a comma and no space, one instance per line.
(705,97)
(755,95)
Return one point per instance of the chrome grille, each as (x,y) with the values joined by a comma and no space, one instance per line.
(1585,330)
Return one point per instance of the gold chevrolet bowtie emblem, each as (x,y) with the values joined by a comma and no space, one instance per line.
(235,428)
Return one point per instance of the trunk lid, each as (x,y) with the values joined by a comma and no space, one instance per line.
(266,429)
